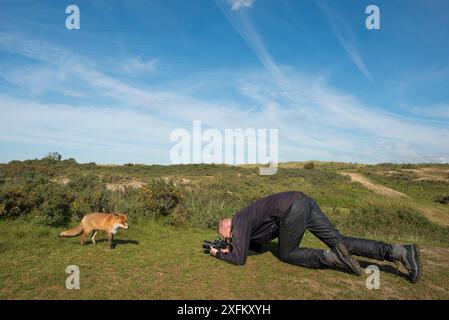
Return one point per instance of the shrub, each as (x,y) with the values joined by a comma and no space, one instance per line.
(158,198)
(16,201)
(55,210)
(97,199)
(309,165)
(54,207)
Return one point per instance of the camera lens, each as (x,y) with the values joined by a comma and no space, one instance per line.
(206,244)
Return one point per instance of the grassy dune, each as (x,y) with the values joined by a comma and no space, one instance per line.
(160,257)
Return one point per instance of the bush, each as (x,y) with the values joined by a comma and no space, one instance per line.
(16,201)
(309,165)
(158,198)
(47,203)
(97,199)
(56,209)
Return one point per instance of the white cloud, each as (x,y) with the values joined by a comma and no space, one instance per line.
(239,4)
(314,120)
(322,118)
(95,129)
(137,65)
(35,79)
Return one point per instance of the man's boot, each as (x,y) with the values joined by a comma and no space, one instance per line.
(339,256)
(408,255)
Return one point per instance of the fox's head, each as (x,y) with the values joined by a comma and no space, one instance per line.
(121,220)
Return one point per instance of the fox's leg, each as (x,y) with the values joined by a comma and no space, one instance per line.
(86,232)
(83,237)
(94,234)
(111,238)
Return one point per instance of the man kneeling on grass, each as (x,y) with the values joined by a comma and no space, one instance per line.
(286,216)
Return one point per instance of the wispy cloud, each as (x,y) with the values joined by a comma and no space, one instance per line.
(325,112)
(347,125)
(239,4)
(243,25)
(314,119)
(137,65)
(345,36)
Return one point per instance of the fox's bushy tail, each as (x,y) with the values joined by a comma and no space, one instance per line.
(72,232)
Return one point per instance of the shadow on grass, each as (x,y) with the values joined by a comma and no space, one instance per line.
(115,242)
(384,268)
(273,248)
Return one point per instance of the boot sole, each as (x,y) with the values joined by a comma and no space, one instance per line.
(342,253)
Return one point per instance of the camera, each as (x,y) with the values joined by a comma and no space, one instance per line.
(217,244)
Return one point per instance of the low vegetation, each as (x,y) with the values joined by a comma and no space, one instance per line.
(173,208)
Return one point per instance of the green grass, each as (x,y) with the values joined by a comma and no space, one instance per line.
(155,261)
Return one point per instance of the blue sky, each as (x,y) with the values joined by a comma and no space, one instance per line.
(113,91)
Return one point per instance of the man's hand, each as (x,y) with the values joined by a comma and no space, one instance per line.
(213,251)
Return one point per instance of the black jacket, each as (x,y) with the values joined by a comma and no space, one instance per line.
(257,224)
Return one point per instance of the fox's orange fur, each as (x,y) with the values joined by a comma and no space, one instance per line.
(97,221)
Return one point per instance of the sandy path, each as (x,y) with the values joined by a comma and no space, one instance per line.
(435,214)
(377,188)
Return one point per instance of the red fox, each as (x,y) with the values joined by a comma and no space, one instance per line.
(97,221)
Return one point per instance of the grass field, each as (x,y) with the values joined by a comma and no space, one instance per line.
(152,261)
(159,259)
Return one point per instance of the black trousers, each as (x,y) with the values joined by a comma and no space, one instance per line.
(305,214)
